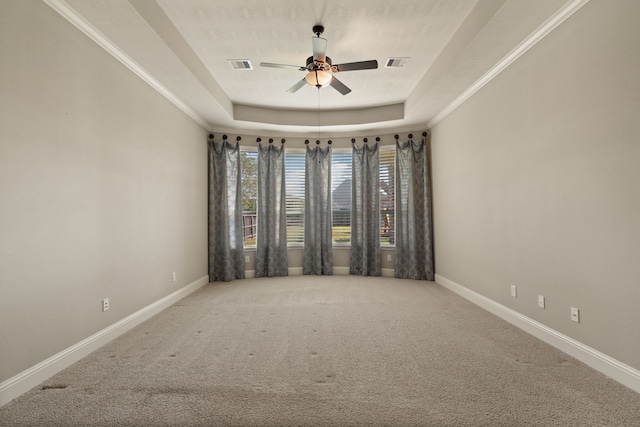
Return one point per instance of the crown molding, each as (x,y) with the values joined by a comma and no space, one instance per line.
(248,113)
(541,32)
(71,15)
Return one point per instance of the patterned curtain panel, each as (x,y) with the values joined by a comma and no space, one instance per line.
(365,211)
(317,256)
(271,245)
(226,257)
(414,229)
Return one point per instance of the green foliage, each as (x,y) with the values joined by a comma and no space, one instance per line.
(249,168)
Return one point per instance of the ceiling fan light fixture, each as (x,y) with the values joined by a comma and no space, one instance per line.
(319,67)
(318,78)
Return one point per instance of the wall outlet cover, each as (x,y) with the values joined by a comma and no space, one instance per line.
(575,314)
(540,301)
(514,291)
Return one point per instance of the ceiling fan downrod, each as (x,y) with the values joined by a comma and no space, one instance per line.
(318,29)
(320,68)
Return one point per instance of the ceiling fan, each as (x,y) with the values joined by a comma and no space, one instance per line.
(319,67)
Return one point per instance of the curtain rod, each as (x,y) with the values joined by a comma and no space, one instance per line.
(353,140)
(224,137)
(258,139)
(410,136)
(306,141)
(396,136)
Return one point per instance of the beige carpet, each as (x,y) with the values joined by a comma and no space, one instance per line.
(334,351)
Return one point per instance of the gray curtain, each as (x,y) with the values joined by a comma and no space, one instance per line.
(226,258)
(414,229)
(317,256)
(365,211)
(271,245)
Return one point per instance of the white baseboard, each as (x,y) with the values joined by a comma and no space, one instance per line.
(295,271)
(338,271)
(344,271)
(388,272)
(620,372)
(26,380)
(341,271)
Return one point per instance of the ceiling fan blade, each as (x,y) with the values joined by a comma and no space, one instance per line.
(270,65)
(319,48)
(339,86)
(350,66)
(297,86)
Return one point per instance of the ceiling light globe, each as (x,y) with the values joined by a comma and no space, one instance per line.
(318,78)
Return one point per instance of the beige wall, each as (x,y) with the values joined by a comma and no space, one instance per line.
(103,187)
(537,182)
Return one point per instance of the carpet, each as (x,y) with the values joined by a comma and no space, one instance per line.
(326,351)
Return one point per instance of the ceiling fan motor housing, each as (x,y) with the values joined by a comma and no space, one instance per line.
(318,65)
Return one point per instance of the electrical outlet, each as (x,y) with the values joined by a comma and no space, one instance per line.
(246,258)
(540,301)
(105,304)
(514,291)
(173,276)
(575,314)
(388,257)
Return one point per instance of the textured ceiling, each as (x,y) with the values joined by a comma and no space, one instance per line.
(281,33)
(184,47)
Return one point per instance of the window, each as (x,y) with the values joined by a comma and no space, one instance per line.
(249,175)
(341,197)
(294,182)
(340,193)
(387,195)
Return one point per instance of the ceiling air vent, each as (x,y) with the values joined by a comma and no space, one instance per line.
(396,62)
(240,64)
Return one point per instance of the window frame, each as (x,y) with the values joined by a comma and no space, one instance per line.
(297,151)
(250,149)
(391,147)
(349,152)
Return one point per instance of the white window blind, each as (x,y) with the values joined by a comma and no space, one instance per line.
(294,170)
(340,191)
(249,174)
(341,197)
(387,197)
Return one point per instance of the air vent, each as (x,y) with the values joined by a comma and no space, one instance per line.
(240,64)
(396,62)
